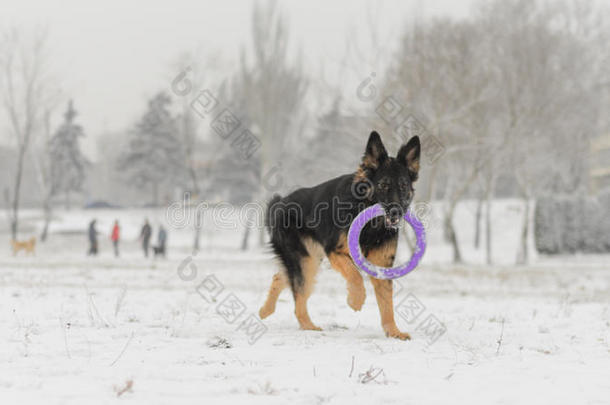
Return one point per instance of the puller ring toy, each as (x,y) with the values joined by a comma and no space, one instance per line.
(386,273)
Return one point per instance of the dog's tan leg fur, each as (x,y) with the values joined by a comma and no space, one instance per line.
(356,294)
(341,261)
(309,267)
(277,285)
(384,256)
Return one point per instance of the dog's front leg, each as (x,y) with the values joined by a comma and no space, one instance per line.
(356,294)
(383,293)
(384,256)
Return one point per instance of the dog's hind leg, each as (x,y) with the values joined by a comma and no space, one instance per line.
(300,258)
(309,267)
(277,285)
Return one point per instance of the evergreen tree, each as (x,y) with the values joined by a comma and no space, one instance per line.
(67,164)
(154,156)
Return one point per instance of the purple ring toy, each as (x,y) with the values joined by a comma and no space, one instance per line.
(353,241)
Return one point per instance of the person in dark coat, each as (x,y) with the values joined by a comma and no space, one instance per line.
(92,238)
(145,236)
(161,240)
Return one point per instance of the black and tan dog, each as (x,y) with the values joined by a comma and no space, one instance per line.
(313,222)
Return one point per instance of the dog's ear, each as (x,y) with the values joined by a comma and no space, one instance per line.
(375,153)
(408,155)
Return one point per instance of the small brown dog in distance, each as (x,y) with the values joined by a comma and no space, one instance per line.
(28,246)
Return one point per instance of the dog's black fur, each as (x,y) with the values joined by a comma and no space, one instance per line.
(301,214)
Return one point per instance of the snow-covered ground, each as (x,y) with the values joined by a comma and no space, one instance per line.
(77,329)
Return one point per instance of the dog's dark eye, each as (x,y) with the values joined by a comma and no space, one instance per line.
(384,186)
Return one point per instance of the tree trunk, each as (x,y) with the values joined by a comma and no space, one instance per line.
(16,193)
(523,255)
(246,235)
(155,191)
(452,236)
(197,225)
(489,193)
(477,223)
(46,206)
(488,250)
(431,192)
(244,240)
(261,236)
(198,214)
(45,230)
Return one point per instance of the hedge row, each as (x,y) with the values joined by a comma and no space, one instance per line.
(572,224)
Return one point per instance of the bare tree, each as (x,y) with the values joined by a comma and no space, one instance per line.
(542,71)
(502,99)
(49,185)
(24,85)
(275,89)
(192,136)
(441,76)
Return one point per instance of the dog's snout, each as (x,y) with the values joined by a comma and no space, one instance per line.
(393,215)
(392,221)
(394,212)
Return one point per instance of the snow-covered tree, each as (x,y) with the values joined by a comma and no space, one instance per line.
(154,155)
(67,163)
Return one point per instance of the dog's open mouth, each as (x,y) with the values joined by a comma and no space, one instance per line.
(392,222)
(393,215)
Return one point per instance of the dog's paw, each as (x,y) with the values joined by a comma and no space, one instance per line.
(310,326)
(265,311)
(393,332)
(355,302)
(399,335)
(356,297)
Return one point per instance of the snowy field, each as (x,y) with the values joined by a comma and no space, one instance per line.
(79,329)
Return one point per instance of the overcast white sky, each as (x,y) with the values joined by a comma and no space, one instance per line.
(111,55)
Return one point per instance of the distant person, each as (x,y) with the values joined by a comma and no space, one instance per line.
(115,236)
(161,240)
(92,238)
(145,236)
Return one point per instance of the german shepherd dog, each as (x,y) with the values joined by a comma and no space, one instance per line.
(313,222)
(27,245)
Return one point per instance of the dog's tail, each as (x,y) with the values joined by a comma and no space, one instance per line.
(271,219)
